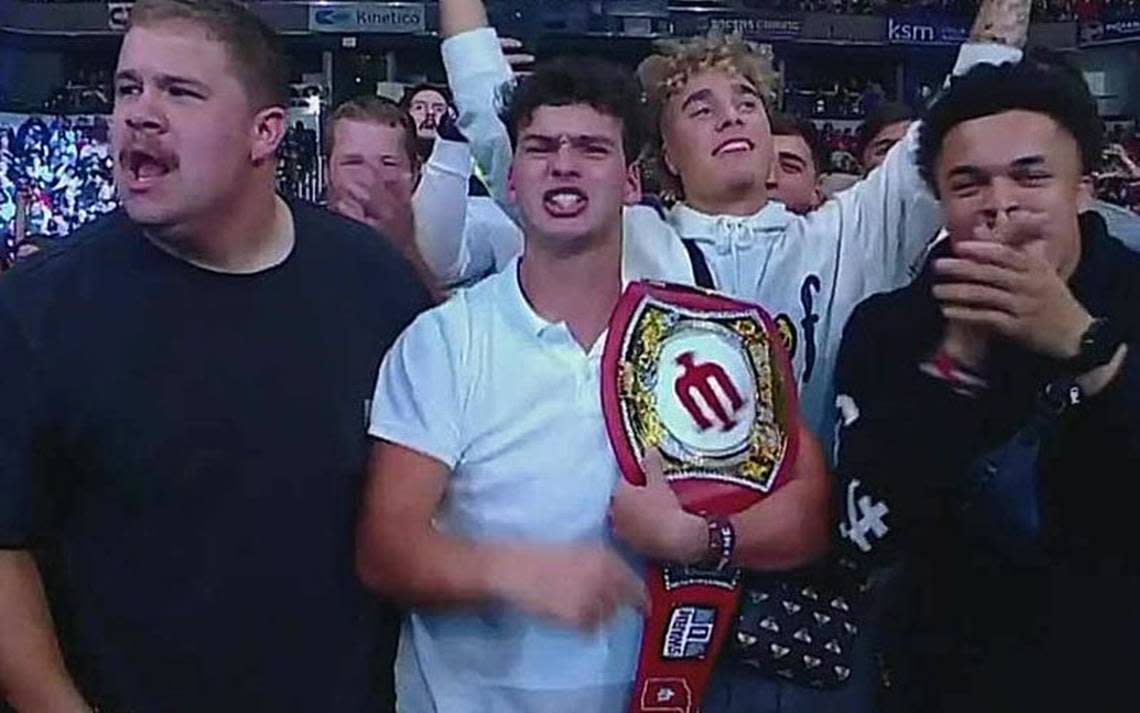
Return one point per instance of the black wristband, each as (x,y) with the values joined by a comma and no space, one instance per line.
(1099,345)
(722,543)
(449,129)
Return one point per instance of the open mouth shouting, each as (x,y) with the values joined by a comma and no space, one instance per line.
(144,168)
(565,202)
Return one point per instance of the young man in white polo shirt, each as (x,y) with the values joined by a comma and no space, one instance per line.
(491,478)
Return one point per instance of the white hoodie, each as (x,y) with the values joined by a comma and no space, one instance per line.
(809,272)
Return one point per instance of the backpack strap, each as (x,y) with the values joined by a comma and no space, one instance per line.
(701,272)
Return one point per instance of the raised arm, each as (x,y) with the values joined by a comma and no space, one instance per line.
(477,72)
(896,214)
(1002,22)
(461,238)
(440,209)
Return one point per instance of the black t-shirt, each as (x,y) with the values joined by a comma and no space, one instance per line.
(185,451)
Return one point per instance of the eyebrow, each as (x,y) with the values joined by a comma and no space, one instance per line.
(793,157)
(357,156)
(745,88)
(1018,164)
(706,94)
(699,95)
(1028,162)
(576,140)
(163,80)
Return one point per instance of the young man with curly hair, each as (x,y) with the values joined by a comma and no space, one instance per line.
(1006,382)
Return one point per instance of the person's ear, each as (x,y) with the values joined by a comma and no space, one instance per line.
(633,191)
(266,133)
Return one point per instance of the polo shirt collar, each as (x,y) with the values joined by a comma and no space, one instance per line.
(518,310)
(650,251)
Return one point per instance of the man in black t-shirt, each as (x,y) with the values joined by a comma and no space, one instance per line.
(185,398)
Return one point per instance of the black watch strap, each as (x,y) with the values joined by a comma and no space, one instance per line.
(1099,344)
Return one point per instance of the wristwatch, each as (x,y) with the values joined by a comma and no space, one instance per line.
(1099,344)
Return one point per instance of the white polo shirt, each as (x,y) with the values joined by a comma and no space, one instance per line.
(462,238)
(511,404)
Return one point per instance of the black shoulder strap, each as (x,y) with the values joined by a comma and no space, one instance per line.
(701,272)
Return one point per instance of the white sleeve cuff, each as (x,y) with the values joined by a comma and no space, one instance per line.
(452,157)
(473,53)
(413,440)
(972,54)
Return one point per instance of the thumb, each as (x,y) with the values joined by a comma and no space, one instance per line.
(653,466)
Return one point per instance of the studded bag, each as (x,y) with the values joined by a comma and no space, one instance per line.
(800,628)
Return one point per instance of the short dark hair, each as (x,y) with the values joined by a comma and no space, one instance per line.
(375,110)
(1029,85)
(784,124)
(256,51)
(878,119)
(607,87)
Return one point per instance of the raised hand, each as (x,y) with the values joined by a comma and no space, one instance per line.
(519,59)
(381,199)
(1004,22)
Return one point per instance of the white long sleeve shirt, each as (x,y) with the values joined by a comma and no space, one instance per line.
(461,238)
(809,271)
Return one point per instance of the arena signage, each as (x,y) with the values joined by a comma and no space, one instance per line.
(759,28)
(118,15)
(381,17)
(1120,30)
(926,30)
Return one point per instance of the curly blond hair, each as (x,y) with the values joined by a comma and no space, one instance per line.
(664,74)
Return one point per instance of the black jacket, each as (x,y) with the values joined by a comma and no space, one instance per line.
(971,623)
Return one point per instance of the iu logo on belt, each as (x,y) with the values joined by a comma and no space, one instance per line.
(706,380)
(702,379)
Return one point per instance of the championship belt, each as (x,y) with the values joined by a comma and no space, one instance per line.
(706,380)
